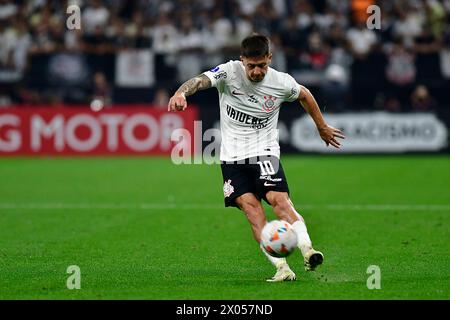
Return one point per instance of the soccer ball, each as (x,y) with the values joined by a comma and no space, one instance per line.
(278,238)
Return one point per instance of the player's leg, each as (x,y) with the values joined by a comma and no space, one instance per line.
(256,216)
(254,212)
(284,209)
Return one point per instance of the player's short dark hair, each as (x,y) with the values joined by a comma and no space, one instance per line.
(255,45)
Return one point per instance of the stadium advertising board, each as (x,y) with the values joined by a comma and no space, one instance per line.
(374,132)
(139,130)
(122,130)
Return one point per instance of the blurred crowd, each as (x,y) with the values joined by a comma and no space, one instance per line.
(325,44)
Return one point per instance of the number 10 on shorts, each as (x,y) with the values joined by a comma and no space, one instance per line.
(266,168)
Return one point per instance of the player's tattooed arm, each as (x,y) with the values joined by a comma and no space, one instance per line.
(327,133)
(178,101)
(193,85)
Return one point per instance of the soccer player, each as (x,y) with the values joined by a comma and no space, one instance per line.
(250,95)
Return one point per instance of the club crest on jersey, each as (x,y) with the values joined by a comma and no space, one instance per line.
(228,189)
(269,103)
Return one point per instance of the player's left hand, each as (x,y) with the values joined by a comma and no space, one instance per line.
(329,135)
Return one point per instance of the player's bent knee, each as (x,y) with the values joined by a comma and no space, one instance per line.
(247,201)
(283,206)
(278,198)
(252,209)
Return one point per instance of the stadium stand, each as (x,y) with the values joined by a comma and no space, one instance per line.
(324,44)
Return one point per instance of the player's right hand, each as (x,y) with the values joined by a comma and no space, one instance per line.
(177,103)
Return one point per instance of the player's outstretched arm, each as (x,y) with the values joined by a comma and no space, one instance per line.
(327,133)
(178,101)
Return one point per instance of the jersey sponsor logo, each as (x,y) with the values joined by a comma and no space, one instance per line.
(221,75)
(269,103)
(237,93)
(266,184)
(269,178)
(252,98)
(228,189)
(294,92)
(215,69)
(254,122)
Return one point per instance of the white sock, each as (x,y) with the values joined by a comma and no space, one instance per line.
(277,262)
(303,240)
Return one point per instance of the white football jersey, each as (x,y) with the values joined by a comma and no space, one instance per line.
(249,110)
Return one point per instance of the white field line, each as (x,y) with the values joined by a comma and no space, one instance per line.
(218,206)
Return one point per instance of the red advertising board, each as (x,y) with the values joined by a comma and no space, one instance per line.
(120,130)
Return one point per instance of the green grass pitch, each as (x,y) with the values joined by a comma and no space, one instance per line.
(143,228)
